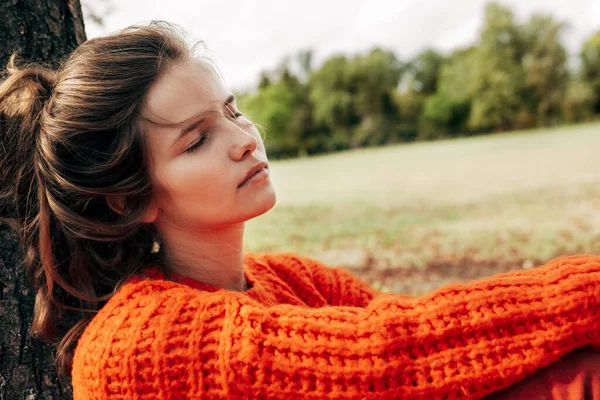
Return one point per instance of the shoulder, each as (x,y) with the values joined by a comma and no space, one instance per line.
(137,302)
(142,297)
(140,333)
(137,326)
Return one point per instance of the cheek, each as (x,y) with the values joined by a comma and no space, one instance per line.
(194,181)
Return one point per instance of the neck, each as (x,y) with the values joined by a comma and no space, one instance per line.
(212,256)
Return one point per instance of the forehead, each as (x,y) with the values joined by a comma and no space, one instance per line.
(182,91)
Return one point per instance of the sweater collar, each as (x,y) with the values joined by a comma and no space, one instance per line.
(153,272)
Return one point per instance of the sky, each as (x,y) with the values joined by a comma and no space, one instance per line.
(246,37)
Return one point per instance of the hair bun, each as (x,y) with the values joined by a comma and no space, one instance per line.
(24,94)
(24,87)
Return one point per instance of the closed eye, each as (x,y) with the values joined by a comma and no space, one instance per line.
(234,113)
(197,145)
(238,116)
(232,110)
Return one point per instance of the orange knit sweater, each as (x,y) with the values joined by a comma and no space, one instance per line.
(307,331)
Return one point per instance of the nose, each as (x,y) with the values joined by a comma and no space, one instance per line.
(243,143)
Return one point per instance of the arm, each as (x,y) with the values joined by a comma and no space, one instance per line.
(464,340)
(338,286)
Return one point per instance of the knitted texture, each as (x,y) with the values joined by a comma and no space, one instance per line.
(307,331)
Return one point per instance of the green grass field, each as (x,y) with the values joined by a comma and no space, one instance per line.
(410,218)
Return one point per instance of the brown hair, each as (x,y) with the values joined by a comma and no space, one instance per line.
(70,139)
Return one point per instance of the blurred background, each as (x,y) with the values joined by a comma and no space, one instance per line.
(415,143)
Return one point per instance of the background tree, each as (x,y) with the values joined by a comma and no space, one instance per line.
(43,31)
(447,111)
(282,109)
(353,98)
(372,80)
(545,67)
(304,59)
(499,76)
(418,84)
(579,101)
(590,67)
(332,101)
(515,76)
(424,70)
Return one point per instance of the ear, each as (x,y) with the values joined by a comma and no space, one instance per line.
(117,204)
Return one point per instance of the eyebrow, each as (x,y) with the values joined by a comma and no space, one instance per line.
(199,119)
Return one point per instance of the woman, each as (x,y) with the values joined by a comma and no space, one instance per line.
(129,174)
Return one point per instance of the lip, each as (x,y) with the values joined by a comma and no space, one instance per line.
(252,171)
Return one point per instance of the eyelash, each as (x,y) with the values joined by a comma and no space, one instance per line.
(202,139)
(197,145)
(236,114)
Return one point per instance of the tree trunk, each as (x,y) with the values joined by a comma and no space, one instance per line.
(42,31)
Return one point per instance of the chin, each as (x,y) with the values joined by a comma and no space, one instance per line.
(266,203)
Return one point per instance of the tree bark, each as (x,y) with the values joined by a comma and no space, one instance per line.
(42,31)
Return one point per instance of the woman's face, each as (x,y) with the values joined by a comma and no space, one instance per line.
(202,148)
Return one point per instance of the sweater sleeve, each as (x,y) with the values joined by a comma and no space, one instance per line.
(338,286)
(461,341)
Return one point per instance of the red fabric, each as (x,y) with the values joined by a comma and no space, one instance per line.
(574,376)
(307,331)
